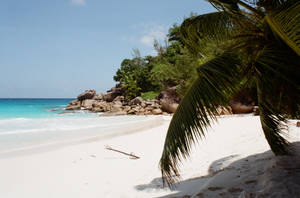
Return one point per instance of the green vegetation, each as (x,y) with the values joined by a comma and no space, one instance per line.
(149,95)
(134,75)
(247,43)
(174,65)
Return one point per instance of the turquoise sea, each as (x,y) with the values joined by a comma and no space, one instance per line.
(31,123)
(34,108)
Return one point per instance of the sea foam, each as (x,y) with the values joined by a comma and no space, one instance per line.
(23,132)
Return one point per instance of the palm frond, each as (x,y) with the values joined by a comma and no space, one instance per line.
(273,124)
(278,83)
(270,4)
(233,6)
(218,80)
(279,61)
(197,32)
(225,5)
(284,21)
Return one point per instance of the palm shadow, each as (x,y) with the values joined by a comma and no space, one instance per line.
(228,177)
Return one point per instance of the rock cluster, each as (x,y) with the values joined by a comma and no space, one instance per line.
(113,103)
(242,103)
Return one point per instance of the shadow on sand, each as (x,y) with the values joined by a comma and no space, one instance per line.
(260,175)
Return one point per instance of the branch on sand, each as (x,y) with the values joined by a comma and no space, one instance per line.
(131,155)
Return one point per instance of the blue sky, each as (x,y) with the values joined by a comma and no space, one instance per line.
(59,48)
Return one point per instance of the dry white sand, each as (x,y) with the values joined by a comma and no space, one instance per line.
(234,160)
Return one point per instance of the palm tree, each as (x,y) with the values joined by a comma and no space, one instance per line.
(260,43)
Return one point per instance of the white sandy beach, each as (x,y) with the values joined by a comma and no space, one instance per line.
(234,160)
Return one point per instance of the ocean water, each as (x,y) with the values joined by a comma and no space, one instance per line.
(28,123)
(34,108)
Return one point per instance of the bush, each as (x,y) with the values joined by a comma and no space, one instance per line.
(149,95)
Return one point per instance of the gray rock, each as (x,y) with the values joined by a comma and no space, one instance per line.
(224,110)
(110,96)
(116,108)
(126,108)
(148,102)
(119,98)
(131,111)
(255,110)
(98,96)
(137,108)
(106,106)
(239,108)
(169,107)
(140,113)
(165,114)
(148,112)
(118,103)
(117,89)
(97,109)
(75,102)
(87,94)
(73,107)
(143,104)
(156,111)
(101,106)
(88,103)
(155,105)
(99,103)
(169,95)
(136,101)
(242,98)
(113,93)
(149,108)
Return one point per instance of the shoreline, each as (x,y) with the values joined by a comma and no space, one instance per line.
(89,170)
(105,132)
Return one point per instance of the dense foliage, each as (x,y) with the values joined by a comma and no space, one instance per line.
(254,42)
(174,65)
(134,76)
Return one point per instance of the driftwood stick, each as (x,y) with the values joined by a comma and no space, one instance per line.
(132,156)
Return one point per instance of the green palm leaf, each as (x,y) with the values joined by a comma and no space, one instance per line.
(198,32)
(233,6)
(228,5)
(280,62)
(285,22)
(273,126)
(278,83)
(218,80)
(273,123)
(278,67)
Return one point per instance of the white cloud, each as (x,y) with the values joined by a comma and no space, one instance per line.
(151,33)
(144,34)
(78,2)
(147,40)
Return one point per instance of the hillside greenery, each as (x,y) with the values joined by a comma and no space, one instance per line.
(174,65)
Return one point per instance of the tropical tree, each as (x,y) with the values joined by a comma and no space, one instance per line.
(151,74)
(257,41)
(168,70)
(134,75)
